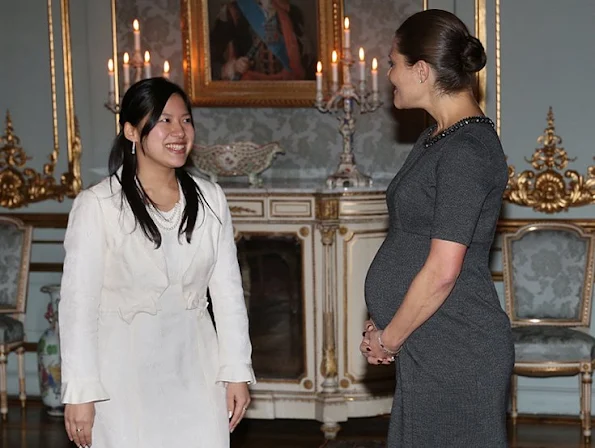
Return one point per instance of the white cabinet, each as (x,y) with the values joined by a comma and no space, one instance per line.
(304,254)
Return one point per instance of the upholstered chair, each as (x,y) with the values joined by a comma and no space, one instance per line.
(548,278)
(15,252)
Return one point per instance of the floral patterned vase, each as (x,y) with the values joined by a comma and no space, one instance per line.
(48,357)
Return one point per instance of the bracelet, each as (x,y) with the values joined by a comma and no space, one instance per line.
(383,347)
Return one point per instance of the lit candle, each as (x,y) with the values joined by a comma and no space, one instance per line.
(147,65)
(374,75)
(136,29)
(346,34)
(112,83)
(319,78)
(126,67)
(334,70)
(362,65)
(166,70)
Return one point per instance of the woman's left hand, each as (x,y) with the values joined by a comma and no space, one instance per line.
(238,400)
(370,347)
(376,349)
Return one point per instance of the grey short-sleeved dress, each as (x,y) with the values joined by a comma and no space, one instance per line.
(453,372)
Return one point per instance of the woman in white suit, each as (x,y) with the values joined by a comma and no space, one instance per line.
(142,363)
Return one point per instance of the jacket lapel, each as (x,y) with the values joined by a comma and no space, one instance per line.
(147,250)
(189,251)
(156,255)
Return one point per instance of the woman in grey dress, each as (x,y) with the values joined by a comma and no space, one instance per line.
(432,303)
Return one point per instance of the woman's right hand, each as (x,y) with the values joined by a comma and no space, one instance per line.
(370,326)
(78,420)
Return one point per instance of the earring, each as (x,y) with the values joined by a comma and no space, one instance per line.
(133,147)
(420,80)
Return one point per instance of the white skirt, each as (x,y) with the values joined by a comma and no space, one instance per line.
(159,372)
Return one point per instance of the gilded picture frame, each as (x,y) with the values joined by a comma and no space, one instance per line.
(208,87)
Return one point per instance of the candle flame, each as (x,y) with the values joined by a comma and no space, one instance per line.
(110,65)
(166,67)
(334,56)
(319,67)
(135,25)
(346,23)
(361,54)
(374,64)
(147,57)
(126,58)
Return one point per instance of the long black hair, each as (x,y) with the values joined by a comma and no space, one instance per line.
(146,100)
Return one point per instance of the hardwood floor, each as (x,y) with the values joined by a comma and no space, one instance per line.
(34,429)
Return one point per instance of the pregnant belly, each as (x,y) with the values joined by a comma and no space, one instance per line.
(394,267)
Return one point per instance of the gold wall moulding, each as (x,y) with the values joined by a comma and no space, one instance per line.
(547,189)
(20,185)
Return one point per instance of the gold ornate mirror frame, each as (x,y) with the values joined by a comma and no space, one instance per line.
(21,185)
(113,11)
(550,187)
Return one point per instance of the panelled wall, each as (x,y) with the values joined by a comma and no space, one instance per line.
(539,55)
(540,59)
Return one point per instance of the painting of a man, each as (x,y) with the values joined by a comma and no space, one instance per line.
(262,40)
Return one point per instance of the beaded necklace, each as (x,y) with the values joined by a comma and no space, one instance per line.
(429,141)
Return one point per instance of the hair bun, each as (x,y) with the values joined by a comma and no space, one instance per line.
(473,56)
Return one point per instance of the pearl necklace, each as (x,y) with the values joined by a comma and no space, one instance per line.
(167,223)
(175,214)
(429,141)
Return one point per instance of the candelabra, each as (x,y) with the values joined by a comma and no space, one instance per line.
(343,99)
(140,66)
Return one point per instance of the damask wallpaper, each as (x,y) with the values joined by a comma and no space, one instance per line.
(311,140)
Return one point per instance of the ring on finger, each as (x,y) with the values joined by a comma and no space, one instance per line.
(79,429)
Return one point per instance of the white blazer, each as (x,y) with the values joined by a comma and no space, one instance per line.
(111,267)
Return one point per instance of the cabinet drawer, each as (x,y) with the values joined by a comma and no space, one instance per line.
(363,208)
(247,208)
(291,208)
